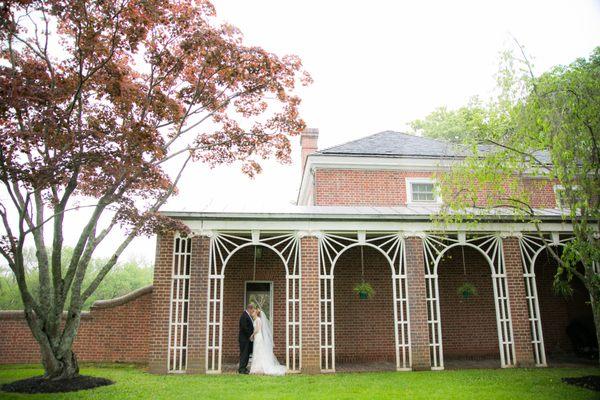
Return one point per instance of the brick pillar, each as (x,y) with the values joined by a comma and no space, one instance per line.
(519,311)
(198,303)
(159,320)
(311,362)
(417,294)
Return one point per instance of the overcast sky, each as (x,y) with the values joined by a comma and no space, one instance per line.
(378,65)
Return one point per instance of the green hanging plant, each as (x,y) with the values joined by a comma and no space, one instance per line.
(364,290)
(467,290)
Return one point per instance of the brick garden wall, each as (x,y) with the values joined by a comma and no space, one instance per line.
(468,325)
(364,329)
(113,331)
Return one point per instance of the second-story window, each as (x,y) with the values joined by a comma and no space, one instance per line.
(562,200)
(421,190)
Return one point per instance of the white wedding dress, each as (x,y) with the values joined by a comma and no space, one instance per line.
(264,361)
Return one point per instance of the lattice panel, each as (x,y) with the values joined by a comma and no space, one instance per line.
(392,246)
(432,247)
(490,246)
(222,247)
(179,307)
(531,247)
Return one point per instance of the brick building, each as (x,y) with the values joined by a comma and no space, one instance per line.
(363,215)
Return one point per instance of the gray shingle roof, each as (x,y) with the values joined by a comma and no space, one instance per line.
(397,144)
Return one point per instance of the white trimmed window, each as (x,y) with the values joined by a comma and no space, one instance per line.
(559,193)
(561,196)
(421,191)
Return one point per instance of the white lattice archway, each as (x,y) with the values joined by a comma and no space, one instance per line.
(490,246)
(331,247)
(222,247)
(531,247)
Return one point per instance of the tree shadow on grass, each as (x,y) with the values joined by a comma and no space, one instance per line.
(39,384)
(591,382)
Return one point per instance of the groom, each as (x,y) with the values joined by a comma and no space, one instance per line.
(246,331)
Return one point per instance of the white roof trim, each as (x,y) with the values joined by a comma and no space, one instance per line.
(206,226)
(380,219)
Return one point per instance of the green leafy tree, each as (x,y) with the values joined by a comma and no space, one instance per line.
(542,128)
(452,125)
(124,278)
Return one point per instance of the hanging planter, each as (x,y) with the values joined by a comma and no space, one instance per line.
(467,290)
(365,290)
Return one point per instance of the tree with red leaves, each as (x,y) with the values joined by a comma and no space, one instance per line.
(96,97)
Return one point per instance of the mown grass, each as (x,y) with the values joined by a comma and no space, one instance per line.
(133,382)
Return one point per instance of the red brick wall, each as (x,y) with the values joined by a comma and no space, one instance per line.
(159,319)
(364,329)
(240,269)
(117,333)
(417,304)
(355,187)
(518,302)
(542,193)
(468,325)
(557,311)
(311,361)
(198,305)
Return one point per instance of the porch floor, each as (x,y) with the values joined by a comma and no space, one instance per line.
(570,361)
(452,364)
(457,363)
(365,367)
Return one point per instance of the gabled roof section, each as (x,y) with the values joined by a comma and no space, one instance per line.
(397,144)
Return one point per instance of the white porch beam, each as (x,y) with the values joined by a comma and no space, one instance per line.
(311,228)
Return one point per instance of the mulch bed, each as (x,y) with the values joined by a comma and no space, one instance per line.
(591,382)
(38,384)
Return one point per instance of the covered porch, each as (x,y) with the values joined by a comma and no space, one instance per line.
(301,267)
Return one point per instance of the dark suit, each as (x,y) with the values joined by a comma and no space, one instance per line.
(246,330)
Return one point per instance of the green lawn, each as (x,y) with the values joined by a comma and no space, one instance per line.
(134,383)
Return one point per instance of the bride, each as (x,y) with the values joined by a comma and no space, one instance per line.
(263,359)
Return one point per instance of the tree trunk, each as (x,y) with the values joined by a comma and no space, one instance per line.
(64,368)
(56,348)
(596,312)
(59,364)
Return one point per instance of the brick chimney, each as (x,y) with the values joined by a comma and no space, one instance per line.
(308,142)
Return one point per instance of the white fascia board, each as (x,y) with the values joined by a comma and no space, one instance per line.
(317,161)
(200,226)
